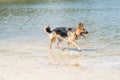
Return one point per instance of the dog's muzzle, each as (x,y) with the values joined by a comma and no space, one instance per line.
(86,32)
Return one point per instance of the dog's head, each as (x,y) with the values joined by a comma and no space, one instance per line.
(80,30)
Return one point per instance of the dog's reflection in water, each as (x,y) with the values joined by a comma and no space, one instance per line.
(59,57)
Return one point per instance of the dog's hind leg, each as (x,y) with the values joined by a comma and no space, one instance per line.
(52,39)
(59,43)
(51,42)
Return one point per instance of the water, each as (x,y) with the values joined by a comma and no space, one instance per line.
(22,23)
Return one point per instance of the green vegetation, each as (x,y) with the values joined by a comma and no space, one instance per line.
(22,1)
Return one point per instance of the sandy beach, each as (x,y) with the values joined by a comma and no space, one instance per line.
(29,61)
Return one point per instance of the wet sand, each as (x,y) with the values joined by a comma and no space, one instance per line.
(29,61)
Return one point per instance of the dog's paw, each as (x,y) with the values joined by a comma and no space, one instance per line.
(79,49)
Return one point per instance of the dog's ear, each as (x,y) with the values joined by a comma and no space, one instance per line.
(80,24)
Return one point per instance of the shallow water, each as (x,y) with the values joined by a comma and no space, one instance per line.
(22,23)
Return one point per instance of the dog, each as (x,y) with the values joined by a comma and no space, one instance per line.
(65,33)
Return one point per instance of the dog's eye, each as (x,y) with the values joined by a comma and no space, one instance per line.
(83,28)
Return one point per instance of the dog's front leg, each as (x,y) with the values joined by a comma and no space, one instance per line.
(68,45)
(75,45)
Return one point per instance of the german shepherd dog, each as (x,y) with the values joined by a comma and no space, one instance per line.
(65,33)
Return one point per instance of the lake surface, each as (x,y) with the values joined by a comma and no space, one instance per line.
(22,22)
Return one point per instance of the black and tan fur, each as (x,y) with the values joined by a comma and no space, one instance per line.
(65,33)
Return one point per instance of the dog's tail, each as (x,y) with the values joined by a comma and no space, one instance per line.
(47,29)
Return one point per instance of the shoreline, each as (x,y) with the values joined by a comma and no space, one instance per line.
(32,62)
